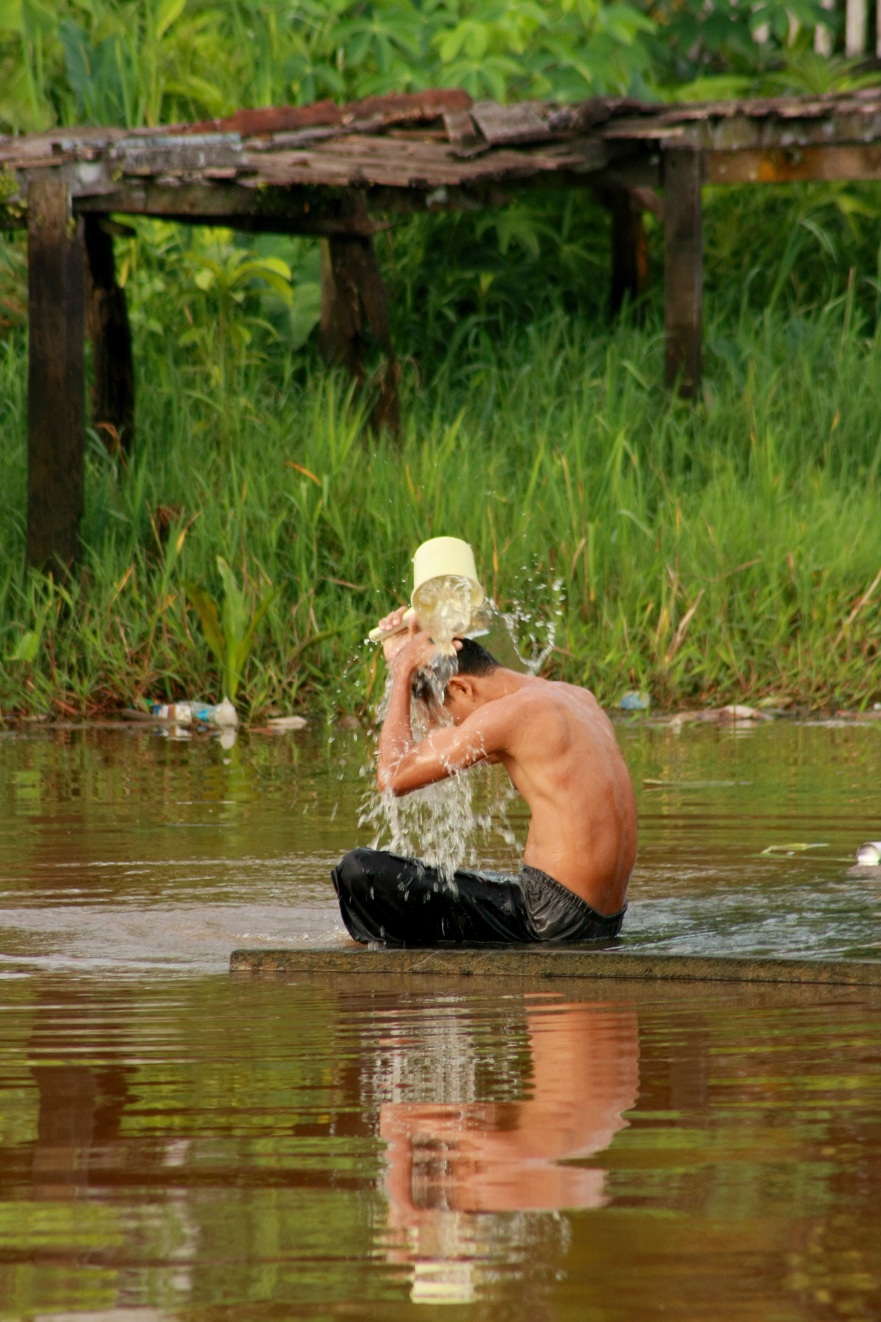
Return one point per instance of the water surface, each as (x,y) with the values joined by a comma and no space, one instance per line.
(123,850)
(179,1144)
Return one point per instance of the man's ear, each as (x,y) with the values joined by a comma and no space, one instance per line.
(461,685)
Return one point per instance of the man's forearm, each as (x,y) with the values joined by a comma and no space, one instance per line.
(396,736)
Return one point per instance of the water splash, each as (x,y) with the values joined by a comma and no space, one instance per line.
(520,638)
(444,607)
(448,824)
(435,823)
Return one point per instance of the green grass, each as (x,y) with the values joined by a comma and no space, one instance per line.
(724,551)
(711,553)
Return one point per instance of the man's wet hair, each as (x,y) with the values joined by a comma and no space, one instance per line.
(474,660)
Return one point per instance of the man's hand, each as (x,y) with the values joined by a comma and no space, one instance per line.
(419,651)
(392,645)
(415,651)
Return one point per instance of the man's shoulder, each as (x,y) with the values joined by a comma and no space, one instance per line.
(539,691)
(535,699)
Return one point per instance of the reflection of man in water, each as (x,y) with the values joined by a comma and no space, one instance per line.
(450,1159)
(559,749)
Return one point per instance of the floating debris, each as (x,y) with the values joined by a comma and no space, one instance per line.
(799,847)
(733,714)
(651,784)
(737,712)
(634,701)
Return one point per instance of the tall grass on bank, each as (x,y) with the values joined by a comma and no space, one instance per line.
(727,551)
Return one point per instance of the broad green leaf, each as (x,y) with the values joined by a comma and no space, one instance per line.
(27,647)
(12,16)
(477,40)
(168,12)
(277,265)
(206,609)
(235,611)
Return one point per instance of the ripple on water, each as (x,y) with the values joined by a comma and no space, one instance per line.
(105,855)
(300,1148)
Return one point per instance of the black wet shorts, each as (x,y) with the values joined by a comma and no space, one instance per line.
(404,902)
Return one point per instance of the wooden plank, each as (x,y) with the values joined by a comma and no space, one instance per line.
(406,107)
(460,129)
(862,101)
(752,131)
(409,107)
(113,386)
(683,268)
(56,374)
(509,124)
(171,153)
(297,210)
(856,28)
(794,165)
(370,162)
(285,210)
(553,962)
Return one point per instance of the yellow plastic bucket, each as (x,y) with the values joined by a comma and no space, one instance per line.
(446,557)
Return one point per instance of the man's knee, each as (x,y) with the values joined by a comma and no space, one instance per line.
(352,869)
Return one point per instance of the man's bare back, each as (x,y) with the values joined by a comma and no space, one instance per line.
(559,749)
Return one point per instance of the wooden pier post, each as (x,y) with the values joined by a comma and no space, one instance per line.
(630,262)
(353,298)
(56,373)
(113,386)
(683,267)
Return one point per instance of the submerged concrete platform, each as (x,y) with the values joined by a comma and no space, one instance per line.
(551,963)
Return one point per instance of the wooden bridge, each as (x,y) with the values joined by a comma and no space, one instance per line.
(340,173)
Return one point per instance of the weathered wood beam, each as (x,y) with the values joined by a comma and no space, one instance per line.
(793,165)
(683,268)
(630,263)
(56,374)
(779,126)
(113,385)
(319,212)
(353,308)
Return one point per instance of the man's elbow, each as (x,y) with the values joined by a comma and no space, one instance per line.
(388,783)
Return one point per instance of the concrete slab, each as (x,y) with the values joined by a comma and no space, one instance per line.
(553,962)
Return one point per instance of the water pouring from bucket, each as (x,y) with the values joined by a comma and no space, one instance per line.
(446,592)
(448,601)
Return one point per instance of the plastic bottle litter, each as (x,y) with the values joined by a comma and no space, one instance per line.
(180,712)
(634,701)
(223,714)
(869,854)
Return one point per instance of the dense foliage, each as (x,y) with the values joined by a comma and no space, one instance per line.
(719,552)
(156,61)
(728,551)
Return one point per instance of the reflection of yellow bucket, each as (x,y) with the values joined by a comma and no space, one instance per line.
(446,557)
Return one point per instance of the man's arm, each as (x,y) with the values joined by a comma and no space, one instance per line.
(405,764)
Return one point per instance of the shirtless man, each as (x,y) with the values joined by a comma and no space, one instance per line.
(559,749)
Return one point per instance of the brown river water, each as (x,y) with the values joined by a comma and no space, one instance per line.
(177,1143)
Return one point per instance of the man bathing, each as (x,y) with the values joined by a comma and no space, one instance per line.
(560,751)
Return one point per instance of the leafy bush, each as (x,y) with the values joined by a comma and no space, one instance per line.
(157,61)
